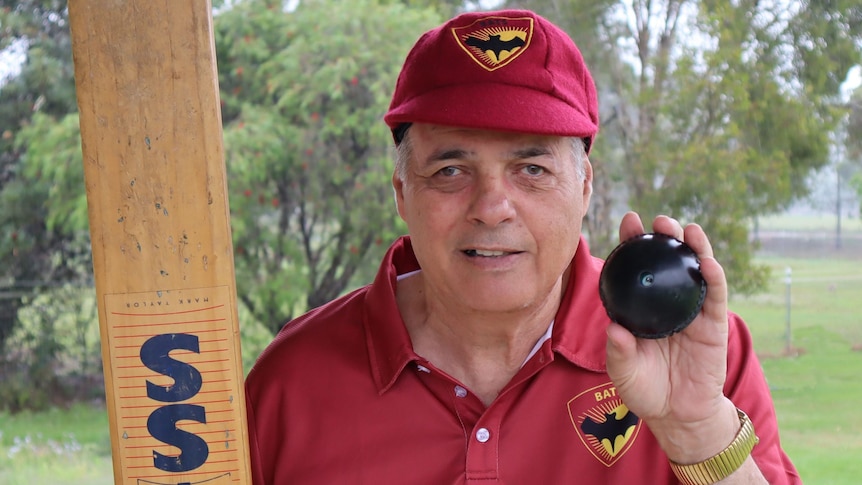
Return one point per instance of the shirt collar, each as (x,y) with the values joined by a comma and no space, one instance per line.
(389,346)
(580,329)
(578,333)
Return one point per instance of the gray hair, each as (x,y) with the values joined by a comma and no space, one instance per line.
(404,150)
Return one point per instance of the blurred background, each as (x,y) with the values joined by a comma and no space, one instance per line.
(742,115)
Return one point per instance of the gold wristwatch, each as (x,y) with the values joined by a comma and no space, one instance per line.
(720,466)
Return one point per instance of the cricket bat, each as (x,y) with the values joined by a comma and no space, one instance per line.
(154,169)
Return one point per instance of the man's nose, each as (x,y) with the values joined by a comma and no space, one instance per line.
(491,203)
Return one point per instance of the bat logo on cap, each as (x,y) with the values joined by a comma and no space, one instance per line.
(493,42)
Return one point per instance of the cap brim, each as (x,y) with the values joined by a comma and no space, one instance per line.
(495,107)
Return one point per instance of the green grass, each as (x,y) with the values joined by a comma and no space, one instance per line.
(809,223)
(69,447)
(824,293)
(817,386)
(816,396)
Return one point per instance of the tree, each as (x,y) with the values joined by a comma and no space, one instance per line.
(582,20)
(853,142)
(705,111)
(446,8)
(304,93)
(44,243)
(31,252)
(303,233)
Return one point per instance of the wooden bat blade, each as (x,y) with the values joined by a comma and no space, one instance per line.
(154,169)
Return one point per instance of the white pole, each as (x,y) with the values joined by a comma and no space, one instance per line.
(787,282)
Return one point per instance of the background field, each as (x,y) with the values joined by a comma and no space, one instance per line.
(59,447)
(815,381)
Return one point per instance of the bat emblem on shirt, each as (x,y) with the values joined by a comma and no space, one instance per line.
(604,423)
(612,428)
(495,44)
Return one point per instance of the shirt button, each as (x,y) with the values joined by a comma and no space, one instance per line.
(483,435)
(460,391)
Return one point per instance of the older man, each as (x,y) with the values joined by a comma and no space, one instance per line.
(481,352)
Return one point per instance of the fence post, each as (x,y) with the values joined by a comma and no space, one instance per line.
(787,283)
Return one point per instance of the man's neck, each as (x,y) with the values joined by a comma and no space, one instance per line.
(483,350)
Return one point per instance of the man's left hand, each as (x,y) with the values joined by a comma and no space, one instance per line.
(675,384)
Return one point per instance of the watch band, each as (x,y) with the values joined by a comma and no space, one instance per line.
(720,466)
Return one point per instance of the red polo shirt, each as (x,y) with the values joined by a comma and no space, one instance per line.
(340,397)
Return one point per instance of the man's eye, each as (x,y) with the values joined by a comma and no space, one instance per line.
(533,170)
(449,171)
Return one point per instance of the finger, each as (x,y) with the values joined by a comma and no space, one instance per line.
(630,226)
(667,225)
(696,239)
(715,304)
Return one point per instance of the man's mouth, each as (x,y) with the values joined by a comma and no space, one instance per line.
(485,253)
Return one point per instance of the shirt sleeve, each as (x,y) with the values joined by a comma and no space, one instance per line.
(746,386)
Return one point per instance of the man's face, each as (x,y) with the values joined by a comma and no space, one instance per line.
(494,217)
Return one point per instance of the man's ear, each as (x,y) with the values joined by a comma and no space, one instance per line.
(398,188)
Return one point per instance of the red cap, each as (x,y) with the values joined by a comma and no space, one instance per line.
(509,70)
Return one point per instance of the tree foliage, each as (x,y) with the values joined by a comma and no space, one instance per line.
(44,244)
(300,89)
(714,111)
(446,8)
(853,139)
(32,252)
(304,94)
(582,20)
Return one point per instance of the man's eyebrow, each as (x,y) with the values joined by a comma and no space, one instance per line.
(460,153)
(531,151)
(447,154)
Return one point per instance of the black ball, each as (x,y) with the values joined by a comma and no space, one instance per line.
(652,285)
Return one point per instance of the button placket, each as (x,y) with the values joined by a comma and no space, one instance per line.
(483,450)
